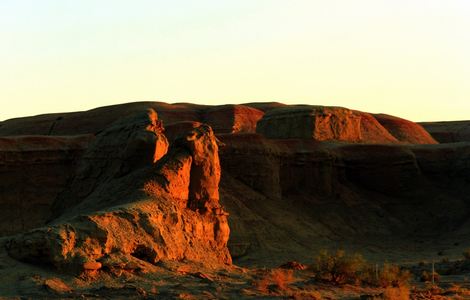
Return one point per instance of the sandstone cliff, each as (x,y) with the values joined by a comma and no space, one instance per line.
(33,171)
(131,198)
(322,123)
(293,178)
(301,195)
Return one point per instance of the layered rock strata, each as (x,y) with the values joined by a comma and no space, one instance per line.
(131,198)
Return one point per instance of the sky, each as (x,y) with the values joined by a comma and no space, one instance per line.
(409,58)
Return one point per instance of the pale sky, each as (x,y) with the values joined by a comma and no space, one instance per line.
(409,58)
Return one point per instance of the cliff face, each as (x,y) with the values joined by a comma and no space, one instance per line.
(301,195)
(273,120)
(223,119)
(322,123)
(131,198)
(293,178)
(33,171)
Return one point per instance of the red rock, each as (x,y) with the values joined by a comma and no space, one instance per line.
(227,118)
(372,132)
(405,131)
(205,170)
(114,213)
(322,124)
(96,120)
(92,266)
(179,129)
(265,106)
(161,143)
(286,197)
(33,171)
(174,176)
(362,191)
(233,118)
(56,285)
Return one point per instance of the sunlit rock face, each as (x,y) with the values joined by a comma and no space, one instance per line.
(405,131)
(322,124)
(233,118)
(130,196)
(142,186)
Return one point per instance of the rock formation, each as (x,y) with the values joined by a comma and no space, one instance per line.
(33,171)
(223,119)
(308,178)
(130,199)
(233,118)
(405,131)
(301,196)
(96,120)
(322,124)
(449,132)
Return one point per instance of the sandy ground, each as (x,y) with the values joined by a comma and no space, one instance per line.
(185,280)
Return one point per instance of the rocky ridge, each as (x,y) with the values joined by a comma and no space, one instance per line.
(449,132)
(125,202)
(127,187)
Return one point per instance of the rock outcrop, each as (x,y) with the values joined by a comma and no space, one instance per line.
(130,198)
(33,171)
(96,120)
(301,195)
(222,118)
(310,178)
(322,124)
(233,118)
(449,132)
(405,131)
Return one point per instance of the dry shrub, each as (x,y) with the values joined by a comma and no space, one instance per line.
(339,268)
(397,293)
(427,277)
(393,275)
(282,278)
(275,279)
